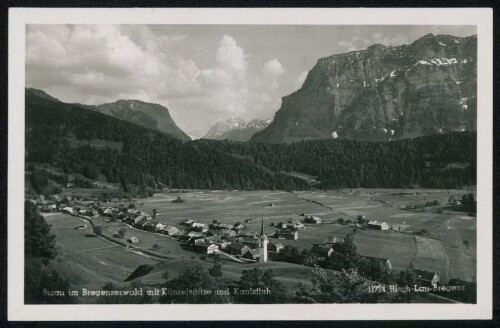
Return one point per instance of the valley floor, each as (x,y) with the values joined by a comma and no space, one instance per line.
(90,262)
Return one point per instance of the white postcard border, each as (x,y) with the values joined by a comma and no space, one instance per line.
(19,17)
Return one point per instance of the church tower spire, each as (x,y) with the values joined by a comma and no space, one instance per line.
(262,244)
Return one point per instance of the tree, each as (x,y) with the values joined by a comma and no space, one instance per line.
(257,278)
(124,183)
(39,180)
(361,220)
(39,272)
(348,287)
(194,278)
(466,244)
(98,230)
(38,240)
(216,270)
(122,232)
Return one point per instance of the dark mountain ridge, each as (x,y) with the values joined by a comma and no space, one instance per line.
(149,115)
(149,159)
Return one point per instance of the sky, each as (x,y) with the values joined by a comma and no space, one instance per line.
(201,73)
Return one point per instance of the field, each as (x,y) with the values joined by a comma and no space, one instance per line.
(92,261)
(439,249)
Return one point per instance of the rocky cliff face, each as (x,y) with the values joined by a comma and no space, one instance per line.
(384,93)
(236,129)
(151,116)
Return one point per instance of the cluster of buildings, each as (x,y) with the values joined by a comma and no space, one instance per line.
(290,228)
(232,239)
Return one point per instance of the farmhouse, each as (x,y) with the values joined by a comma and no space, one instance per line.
(294,223)
(322,250)
(384,262)
(192,234)
(378,225)
(277,248)
(68,209)
(199,226)
(249,241)
(220,226)
(197,241)
(252,254)
(206,248)
(281,225)
(133,240)
(287,234)
(227,232)
(313,219)
(237,249)
(108,212)
(426,278)
(143,224)
(159,226)
(150,225)
(239,226)
(188,222)
(334,240)
(169,230)
(247,233)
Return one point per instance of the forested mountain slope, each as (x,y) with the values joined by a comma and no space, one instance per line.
(75,138)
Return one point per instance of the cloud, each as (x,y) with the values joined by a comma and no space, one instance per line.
(357,43)
(301,79)
(273,68)
(94,64)
(231,57)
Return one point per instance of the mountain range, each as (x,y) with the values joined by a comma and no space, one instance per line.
(383,93)
(151,116)
(377,94)
(236,129)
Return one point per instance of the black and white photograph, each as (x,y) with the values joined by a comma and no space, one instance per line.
(262,162)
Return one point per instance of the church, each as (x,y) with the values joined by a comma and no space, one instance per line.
(263,244)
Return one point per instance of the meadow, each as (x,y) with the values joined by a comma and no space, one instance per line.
(95,260)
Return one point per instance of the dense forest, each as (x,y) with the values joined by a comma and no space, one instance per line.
(40,251)
(79,140)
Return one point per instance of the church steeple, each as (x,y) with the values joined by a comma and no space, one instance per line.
(262,244)
(262,229)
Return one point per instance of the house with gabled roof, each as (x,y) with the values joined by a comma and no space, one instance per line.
(383,261)
(322,250)
(252,254)
(188,222)
(426,278)
(237,249)
(205,248)
(169,230)
(287,234)
(372,224)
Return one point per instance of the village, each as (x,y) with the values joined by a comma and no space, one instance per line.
(234,242)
